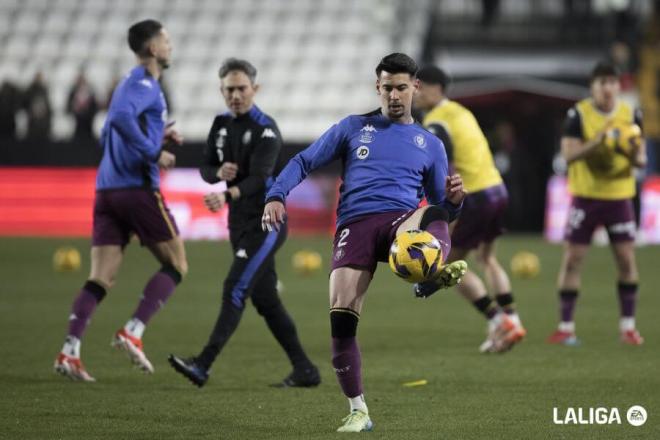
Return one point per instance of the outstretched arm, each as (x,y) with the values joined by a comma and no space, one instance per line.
(324,150)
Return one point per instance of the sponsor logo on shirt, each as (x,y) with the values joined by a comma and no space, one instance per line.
(362,152)
(145,82)
(241,253)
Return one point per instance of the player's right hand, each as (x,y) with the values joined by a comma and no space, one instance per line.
(215,201)
(227,171)
(274,216)
(166,160)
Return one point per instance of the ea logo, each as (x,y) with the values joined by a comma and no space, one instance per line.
(636,415)
(362,152)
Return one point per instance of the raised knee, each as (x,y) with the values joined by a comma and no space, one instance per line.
(433,213)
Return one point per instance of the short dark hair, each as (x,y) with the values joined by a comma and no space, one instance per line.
(604,68)
(434,75)
(231,64)
(140,33)
(397,63)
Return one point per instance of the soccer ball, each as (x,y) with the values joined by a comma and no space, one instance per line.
(66,259)
(306,262)
(623,137)
(415,256)
(525,265)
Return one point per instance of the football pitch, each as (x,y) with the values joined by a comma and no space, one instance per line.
(403,339)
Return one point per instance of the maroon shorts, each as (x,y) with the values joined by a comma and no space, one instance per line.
(482,218)
(120,212)
(585,215)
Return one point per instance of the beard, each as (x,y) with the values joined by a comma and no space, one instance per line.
(396,112)
(164,63)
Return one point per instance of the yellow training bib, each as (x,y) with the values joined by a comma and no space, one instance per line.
(604,173)
(472,157)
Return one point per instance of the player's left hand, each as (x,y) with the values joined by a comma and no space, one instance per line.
(454,189)
(172,137)
(274,216)
(215,201)
(166,160)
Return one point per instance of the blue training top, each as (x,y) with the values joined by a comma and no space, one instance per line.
(133,132)
(387,166)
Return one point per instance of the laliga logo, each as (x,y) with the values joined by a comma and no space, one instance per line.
(636,416)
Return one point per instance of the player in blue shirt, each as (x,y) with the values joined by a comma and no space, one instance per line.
(128,201)
(390,163)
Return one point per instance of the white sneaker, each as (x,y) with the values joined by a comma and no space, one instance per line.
(504,331)
(356,421)
(72,368)
(133,348)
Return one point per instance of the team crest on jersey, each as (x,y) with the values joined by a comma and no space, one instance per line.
(362,152)
(420,141)
(366,134)
(247,137)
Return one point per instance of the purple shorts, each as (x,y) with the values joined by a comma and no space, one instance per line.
(482,218)
(364,241)
(120,212)
(585,215)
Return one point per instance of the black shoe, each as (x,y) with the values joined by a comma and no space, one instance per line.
(425,288)
(305,377)
(190,369)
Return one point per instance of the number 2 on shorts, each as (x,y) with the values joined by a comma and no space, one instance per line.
(342,237)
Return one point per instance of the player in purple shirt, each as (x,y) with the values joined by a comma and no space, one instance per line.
(390,163)
(128,201)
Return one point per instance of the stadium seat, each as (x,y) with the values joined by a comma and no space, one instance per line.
(286,40)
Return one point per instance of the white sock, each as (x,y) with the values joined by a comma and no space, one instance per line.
(358,403)
(515,318)
(135,328)
(626,324)
(568,327)
(494,322)
(71,346)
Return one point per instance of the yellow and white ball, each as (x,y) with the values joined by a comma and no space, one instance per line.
(306,262)
(66,259)
(525,264)
(415,256)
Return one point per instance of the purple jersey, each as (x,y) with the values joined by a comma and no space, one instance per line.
(387,166)
(133,133)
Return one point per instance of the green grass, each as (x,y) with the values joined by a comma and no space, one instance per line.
(468,396)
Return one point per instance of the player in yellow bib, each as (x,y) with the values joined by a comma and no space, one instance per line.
(481,220)
(602,183)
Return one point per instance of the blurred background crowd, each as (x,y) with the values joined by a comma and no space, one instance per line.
(518,65)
